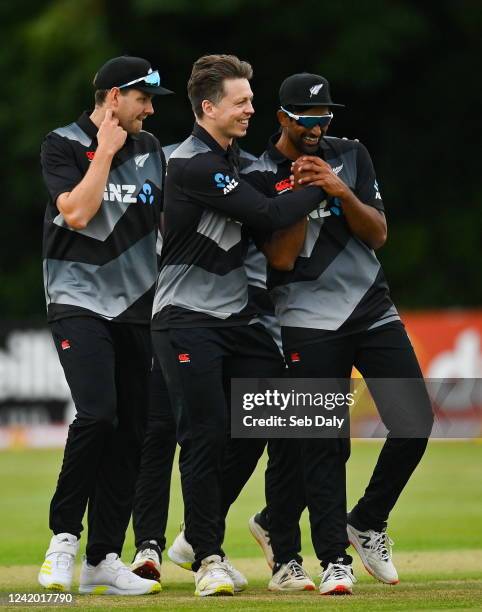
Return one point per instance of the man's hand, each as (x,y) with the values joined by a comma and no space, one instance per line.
(110,137)
(365,222)
(309,170)
(294,185)
(81,204)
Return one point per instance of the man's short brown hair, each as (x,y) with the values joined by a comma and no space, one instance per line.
(101,95)
(207,78)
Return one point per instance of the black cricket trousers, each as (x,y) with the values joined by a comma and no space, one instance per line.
(381,353)
(204,361)
(107,366)
(151,503)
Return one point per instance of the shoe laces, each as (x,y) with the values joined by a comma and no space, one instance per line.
(118,566)
(338,571)
(296,570)
(228,565)
(215,570)
(382,544)
(149,553)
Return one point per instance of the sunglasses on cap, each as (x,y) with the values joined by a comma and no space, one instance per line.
(152,79)
(309,121)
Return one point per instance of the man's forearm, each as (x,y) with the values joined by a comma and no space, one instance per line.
(285,245)
(80,205)
(365,222)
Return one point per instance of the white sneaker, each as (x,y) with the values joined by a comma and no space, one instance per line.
(337,579)
(375,550)
(112,577)
(181,552)
(262,537)
(212,578)
(147,561)
(291,577)
(57,570)
(238,579)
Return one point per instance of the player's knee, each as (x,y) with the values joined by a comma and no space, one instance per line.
(160,428)
(422,421)
(100,422)
(104,416)
(213,440)
(427,422)
(96,409)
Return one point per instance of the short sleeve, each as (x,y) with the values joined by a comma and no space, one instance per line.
(60,170)
(366,187)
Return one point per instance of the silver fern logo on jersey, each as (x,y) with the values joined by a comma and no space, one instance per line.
(140,160)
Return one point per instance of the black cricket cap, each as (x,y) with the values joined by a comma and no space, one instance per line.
(305,89)
(124,69)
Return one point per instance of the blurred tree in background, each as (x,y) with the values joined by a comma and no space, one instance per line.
(408,72)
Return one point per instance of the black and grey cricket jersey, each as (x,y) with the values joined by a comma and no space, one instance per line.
(108,269)
(337,284)
(255,264)
(207,210)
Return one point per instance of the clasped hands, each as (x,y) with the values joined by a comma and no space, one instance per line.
(311,170)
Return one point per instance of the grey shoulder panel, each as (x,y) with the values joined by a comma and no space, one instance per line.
(189,148)
(246,155)
(74,132)
(168,150)
(263,164)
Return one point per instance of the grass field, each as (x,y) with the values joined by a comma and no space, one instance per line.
(437,527)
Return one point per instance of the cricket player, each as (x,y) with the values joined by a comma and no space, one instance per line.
(151,504)
(152,491)
(335,311)
(203,324)
(105,177)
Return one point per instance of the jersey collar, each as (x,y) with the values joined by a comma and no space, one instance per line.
(89,127)
(212,143)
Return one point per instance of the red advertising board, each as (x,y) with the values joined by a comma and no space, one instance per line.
(448,343)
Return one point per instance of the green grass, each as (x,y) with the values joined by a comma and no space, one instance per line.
(437,527)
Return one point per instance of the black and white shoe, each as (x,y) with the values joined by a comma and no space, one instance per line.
(147,561)
(290,577)
(337,579)
(375,550)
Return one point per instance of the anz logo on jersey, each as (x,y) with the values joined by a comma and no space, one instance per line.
(224,182)
(126,194)
(120,193)
(327,208)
